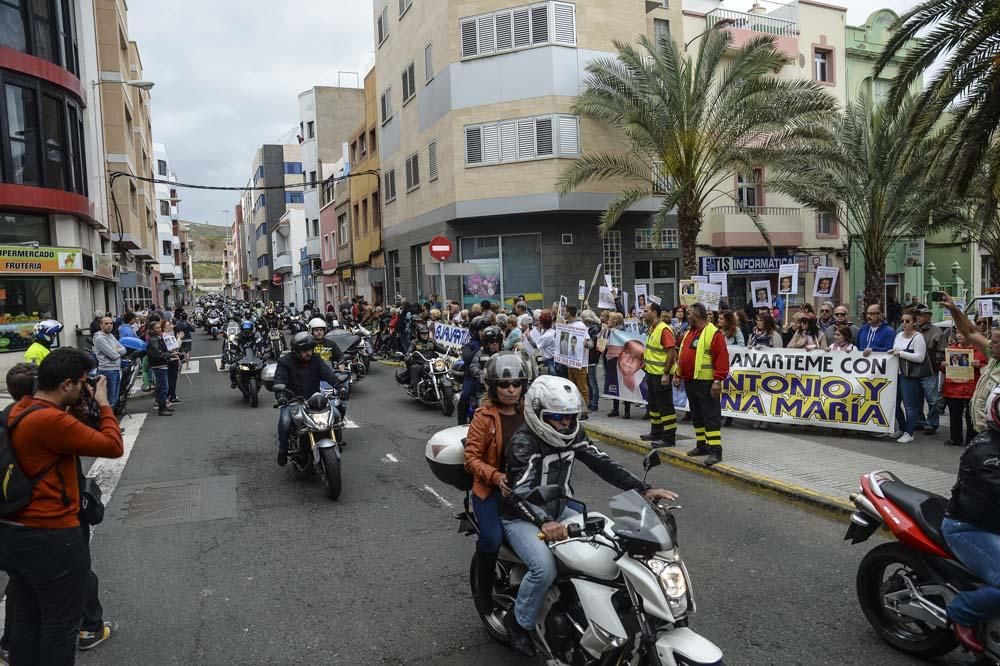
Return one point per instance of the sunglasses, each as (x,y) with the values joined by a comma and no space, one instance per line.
(506,384)
(839,314)
(824,310)
(560,417)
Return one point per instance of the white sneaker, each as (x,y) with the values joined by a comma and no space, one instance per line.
(905,438)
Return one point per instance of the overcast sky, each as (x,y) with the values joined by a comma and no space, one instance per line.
(228,74)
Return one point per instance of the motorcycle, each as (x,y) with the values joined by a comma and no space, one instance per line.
(276,342)
(213,323)
(352,348)
(435,385)
(622,595)
(905,586)
(248,375)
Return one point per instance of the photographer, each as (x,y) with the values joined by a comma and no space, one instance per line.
(43,547)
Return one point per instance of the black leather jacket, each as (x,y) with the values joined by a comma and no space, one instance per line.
(976,494)
(302,379)
(531,462)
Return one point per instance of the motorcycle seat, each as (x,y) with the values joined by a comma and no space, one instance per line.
(925,508)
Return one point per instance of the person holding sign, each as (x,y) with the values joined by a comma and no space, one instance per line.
(959,387)
(174,367)
(658,360)
(703,364)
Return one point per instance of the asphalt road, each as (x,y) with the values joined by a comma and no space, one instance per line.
(380,576)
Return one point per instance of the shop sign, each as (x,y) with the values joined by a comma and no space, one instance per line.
(23,260)
(743,265)
(103,266)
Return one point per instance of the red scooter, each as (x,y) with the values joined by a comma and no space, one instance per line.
(904,586)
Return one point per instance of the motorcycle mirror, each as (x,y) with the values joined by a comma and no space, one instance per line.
(545,494)
(278,388)
(651,460)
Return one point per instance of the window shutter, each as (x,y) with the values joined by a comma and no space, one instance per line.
(402,7)
(380,28)
(406,84)
(411,78)
(522,27)
(487,39)
(385,106)
(392,181)
(543,132)
(569,135)
(432,160)
(416,169)
(428,62)
(525,138)
(473,145)
(508,141)
(491,143)
(469,38)
(540,24)
(565,23)
(505,37)
(409,174)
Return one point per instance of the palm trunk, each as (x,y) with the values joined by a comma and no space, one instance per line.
(874,282)
(688,226)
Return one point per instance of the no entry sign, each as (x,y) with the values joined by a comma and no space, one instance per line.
(440,248)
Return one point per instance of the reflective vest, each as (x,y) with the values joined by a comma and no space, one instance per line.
(703,368)
(36,353)
(323,352)
(655,358)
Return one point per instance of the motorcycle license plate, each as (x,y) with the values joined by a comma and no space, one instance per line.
(274,335)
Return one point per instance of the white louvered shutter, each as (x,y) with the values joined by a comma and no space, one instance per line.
(487,39)
(491,143)
(415,159)
(543,133)
(409,174)
(473,145)
(470,40)
(539,24)
(432,161)
(508,141)
(505,36)
(569,135)
(565,23)
(522,27)
(525,138)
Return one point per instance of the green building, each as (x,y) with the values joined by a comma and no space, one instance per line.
(919,265)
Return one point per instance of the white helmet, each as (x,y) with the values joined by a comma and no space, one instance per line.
(993,409)
(316,322)
(549,396)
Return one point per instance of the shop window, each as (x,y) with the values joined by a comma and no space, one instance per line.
(24,301)
(506,266)
(16,228)
(22,137)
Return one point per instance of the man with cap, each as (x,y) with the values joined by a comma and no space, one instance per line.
(936,344)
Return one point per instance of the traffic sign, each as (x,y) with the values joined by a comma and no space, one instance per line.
(440,248)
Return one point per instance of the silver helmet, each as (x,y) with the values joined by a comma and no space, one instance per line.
(551,396)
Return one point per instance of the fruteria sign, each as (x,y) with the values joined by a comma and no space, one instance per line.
(743,265)
(17,259)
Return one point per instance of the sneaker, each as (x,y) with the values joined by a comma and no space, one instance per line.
(88,640)
(176,401)
(164,411)
(652,437)
(905,438)
(967,637)
(614,414)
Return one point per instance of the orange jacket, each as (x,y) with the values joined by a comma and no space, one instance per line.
(484,451)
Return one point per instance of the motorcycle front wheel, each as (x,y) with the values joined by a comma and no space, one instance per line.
(881,573)
(447,400)
(329,465)
(254,390)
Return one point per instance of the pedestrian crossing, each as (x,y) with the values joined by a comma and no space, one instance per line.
(194,369)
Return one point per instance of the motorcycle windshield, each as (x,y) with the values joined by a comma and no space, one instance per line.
(249,357)
(636,520)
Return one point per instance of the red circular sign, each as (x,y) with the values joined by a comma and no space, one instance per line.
(276,280)
(440,248)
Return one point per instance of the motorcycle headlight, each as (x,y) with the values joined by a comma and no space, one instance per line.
(671,578)
(321,419)
(245,368)
(440,366)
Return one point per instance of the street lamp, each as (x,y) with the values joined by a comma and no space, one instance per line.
(141,85)
(721,23)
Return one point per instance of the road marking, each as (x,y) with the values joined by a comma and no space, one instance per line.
(193,370)
(390,458)
(348,423)
(437,496)
(218,365)
(195,358)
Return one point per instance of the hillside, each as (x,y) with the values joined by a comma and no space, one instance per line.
(209,241)
(210,270)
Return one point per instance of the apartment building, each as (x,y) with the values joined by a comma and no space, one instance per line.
(329,282)
(288,239)
(54,262)
(366,205)
(168,244)
(475,126)
(327,116)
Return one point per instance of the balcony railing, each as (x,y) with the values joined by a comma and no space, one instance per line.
(757,210)
(767,25)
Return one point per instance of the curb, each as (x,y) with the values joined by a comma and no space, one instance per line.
(727,473)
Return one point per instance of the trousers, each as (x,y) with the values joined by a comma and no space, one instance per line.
(662,417)
(114,384)
(579,377)
(706,412)
(929,392)
(957,408)
(979,551)
(490,528)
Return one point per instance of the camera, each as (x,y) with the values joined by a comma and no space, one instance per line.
(937,296)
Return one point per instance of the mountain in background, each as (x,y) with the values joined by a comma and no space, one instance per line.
(209,241)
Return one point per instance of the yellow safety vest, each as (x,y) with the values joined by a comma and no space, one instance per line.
(655,358)
(323,352)
(36,353)
(703,368)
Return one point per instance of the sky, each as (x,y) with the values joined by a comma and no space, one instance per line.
(228,74)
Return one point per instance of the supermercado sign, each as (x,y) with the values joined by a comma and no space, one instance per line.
(836,389)
(743,265)
(450,336)
(28,260)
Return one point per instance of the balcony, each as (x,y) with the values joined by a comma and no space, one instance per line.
(731,226)
(283,262)
(744,26)
(312,247)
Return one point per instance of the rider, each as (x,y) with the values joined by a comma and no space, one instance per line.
(44,335)
(300,372)
(422,343)
(971,527)
(246,339)
(317,327)
(490,342)
(470,382)
(542,452)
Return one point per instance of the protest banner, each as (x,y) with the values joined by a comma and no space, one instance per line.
(689,292)
(581,290)
(450,336)
(624,378)
(605,299)
(788,279)
(569,345)
(641,294)
(561,312)
(946,313)
(655,299)
(632,325)
(826,281)
(958,365)
(170,340)
(985,308)
(625,302)
(793,386)
(607,281)
(761,290)
(710,295)
(722,279)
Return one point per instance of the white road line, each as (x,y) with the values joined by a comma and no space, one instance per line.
(437,495)
(348,423)
(194,369)
(390,458)
(218,365)
(195,358)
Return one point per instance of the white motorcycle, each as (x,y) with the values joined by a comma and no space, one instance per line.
(622,595)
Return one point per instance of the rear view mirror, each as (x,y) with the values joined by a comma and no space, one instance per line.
(544,494)
(278,388)
(651,460)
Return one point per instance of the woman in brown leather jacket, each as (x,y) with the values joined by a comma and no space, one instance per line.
(493,424)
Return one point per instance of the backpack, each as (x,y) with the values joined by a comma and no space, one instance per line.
(15,486)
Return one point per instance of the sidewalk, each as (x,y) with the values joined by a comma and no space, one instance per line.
(805,464)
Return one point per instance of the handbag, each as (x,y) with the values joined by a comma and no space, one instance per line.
(91,506)
(914,370)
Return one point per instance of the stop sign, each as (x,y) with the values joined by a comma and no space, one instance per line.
(440,248)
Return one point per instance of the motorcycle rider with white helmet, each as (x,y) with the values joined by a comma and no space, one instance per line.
(540,453)
(43,335)
(317,326)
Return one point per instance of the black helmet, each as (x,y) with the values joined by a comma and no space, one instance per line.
(491,334)
(303,341)
(477,324)
(423,330)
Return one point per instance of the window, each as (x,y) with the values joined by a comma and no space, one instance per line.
(518,28)
(661,30)
(412,172)
(28,301)
(389,186)
(354,152)
(750,188)
(164,208)
(311,130)
(403,6)
(392,262)
(823,65)
(382,25)
(409,83)
(646,239)
(16,228)
(312,179)
(371,141)
(133,197)
(342,232)
(263,261)
(294,197)
(167,249)
(506,266)
(432,161)
(826,224)
(376,221)
(261,201)
(315,228)
(362,148)
(364,216)
(291,169)
(386,105)
(880,91)
(428,63)
(522,139)
(22,136)
(357,222)
(36,28)
(161,167)
(613,255)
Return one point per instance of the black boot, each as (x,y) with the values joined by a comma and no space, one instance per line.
(714,456)
(655,435)
(700,450)
(668,441)
(463,411)
(520,638)
(282,458)
(628,411)
(485,566)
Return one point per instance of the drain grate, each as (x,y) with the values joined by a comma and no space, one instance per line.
(173,502)
(177,503)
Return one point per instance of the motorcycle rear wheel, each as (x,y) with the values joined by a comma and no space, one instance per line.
(329,465)
(879,574)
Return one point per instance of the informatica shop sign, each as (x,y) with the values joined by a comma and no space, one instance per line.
(18,259)
(743,265)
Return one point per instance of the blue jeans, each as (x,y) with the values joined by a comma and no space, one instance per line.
(550,365)
(594,393)
(114,384)
(523,538)
(929,392)
(912,396)
(979,551)
(490,528)
(162,388)
(284,428)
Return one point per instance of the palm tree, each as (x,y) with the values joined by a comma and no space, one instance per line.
(880,183)
(966,88)
(691,124)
